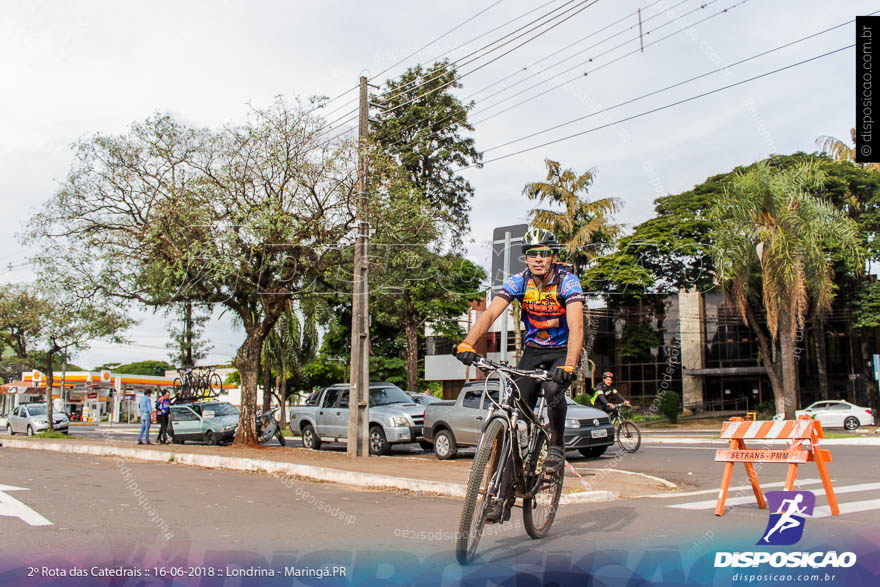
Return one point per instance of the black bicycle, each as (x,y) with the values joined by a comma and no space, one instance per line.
(626,433)
(512,434)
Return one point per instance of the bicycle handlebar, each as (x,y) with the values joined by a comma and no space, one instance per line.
(486,365)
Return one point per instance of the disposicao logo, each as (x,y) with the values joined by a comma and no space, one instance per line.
(786,526)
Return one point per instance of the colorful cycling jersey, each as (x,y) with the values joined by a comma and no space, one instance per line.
(543,311)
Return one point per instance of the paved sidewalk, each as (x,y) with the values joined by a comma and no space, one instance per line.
(418,473)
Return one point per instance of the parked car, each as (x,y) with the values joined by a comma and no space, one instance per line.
(423,399)
(31,419)
(394,418)
(838,414)
(450,424)
(211,422)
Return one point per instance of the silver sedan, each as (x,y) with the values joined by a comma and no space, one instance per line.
(31,419)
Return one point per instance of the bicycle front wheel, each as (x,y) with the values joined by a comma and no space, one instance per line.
(539,510)
(473,512)
(629,438)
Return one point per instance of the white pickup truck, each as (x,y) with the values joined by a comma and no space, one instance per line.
(394,418)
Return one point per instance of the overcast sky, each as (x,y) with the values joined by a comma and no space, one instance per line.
(70,69)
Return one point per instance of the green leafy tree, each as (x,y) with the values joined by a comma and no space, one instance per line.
(583,226)
(420,127)
(46,325)
(247,216)
(156,368)
(772,248)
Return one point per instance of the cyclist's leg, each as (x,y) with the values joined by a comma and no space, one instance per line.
(557,408)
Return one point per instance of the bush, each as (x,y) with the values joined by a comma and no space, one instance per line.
(670,405)
(583,399)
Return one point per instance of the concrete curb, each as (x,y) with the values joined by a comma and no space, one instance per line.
(308,472)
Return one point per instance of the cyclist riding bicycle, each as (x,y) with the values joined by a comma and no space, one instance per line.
(552,309)
(605,396)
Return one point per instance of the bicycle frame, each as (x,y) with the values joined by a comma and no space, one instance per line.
(509,409)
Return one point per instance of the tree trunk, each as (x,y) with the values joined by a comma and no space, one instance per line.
(868,348)
(766,344)
(411,328)
(787,327)
(267,385)
(821,355)
(247,361)
(282,391)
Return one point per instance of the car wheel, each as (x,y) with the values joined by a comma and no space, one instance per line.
(378,443)
(309,438)
(9,430)
(592,452)
(851,423)
(426,446)
(30,431)
(211,438)
(177,440)
(444,445)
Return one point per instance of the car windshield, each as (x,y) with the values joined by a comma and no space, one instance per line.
(382,396)
(37,410)
(220,409)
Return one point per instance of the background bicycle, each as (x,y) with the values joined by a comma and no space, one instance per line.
(627,434)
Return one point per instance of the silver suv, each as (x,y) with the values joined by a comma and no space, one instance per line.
(31,419)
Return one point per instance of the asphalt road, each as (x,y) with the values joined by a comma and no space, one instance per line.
(118,512)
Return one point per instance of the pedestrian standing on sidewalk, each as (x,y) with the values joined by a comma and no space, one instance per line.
(163,413)
(145,406)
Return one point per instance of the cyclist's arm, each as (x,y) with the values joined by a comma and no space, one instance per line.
(481,326)
(574,315)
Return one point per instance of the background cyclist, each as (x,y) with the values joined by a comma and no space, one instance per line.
(606,396)
(552,309)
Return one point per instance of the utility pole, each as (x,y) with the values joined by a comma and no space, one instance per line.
(359,391)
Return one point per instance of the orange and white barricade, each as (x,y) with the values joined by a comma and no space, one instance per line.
(795,432)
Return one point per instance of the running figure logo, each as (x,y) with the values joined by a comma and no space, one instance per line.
(786,525)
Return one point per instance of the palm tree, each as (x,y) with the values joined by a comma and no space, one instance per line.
(291,344)
(840,151)
(583,226)
(772,248)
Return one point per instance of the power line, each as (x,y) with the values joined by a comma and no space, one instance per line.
(658,109)
(500,26)
(594,33)
(466,61)
(669,87)
(450,31)
(586,73)
(399,91)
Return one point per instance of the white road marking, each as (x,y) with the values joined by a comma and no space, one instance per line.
(848,508)
(9,506)
(711,503)
(737,488)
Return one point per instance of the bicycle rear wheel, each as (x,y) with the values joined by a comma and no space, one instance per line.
(215,383)
(629,438)
(539,511)
(473,512)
